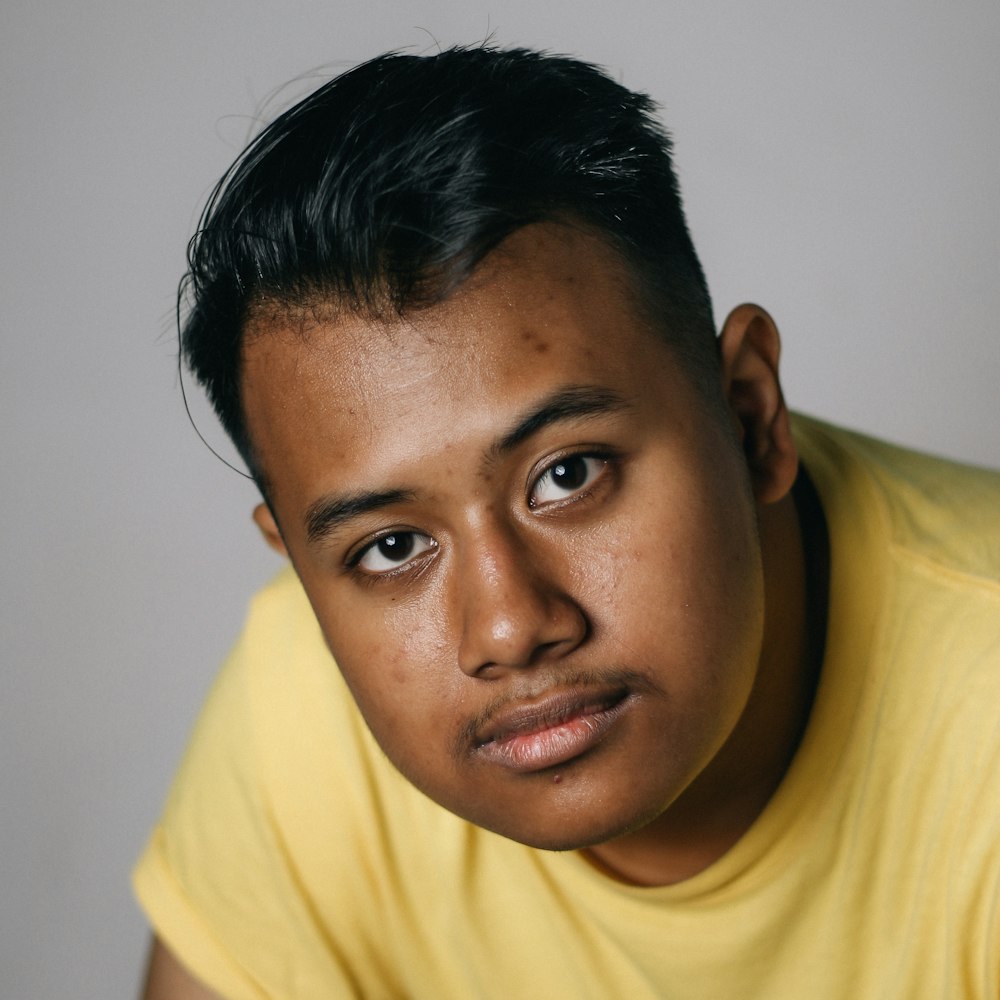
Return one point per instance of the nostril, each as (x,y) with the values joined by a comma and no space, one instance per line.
(520,633)
(514,612)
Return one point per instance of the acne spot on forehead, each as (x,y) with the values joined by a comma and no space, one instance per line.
(535,341)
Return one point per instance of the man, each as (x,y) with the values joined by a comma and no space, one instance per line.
(629,702)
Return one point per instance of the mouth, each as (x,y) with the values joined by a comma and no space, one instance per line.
(537,735)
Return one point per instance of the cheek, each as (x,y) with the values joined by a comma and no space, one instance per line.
(682,586)
(395,663)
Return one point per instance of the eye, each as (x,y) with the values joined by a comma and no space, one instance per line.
(392,551)
(568,476)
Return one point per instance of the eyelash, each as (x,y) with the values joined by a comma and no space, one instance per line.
(605,459)
(354,561)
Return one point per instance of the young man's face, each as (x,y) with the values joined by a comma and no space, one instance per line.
(529,541)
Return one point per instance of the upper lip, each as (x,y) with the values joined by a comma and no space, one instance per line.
(521,717)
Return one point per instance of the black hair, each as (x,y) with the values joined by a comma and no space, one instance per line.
(382,191)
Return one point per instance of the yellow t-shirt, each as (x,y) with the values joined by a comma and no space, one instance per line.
(292,861)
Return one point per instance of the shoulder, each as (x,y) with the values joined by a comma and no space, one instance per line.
(286,823)
(930,510)
(914,606)
(910,688)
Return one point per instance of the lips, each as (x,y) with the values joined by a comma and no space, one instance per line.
(532,736)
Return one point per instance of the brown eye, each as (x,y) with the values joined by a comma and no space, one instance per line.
(395,546)
(566,477)
(570,475)
(392,551)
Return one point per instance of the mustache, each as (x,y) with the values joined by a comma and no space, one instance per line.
(538,686)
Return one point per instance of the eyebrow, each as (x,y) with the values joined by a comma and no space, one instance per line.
(327,514)
(567,403)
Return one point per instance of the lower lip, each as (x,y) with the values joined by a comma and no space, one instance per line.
(556,744)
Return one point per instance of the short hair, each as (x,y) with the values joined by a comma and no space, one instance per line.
(384,189)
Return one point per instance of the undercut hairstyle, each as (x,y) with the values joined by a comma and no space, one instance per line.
(382,191)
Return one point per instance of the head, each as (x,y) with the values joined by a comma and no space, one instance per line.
(449,311)
(383,190)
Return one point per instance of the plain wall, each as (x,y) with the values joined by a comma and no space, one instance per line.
(841,166)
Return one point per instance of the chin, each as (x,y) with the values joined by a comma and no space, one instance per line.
(570,825)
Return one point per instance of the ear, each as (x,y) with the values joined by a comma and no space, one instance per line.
(264,520)
(750,346)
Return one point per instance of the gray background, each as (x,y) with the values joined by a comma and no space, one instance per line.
(841,164)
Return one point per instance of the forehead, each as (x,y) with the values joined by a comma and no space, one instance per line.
(551,306)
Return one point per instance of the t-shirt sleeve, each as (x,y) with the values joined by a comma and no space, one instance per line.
(178,923)
(218,880)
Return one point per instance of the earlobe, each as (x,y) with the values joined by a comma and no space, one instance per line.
(750,347)
(265,521)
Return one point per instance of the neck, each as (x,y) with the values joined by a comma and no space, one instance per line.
(728,796)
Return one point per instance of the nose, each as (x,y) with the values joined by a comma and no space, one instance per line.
(513,611)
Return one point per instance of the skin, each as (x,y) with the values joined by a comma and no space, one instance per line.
(591,630)
(167,979)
